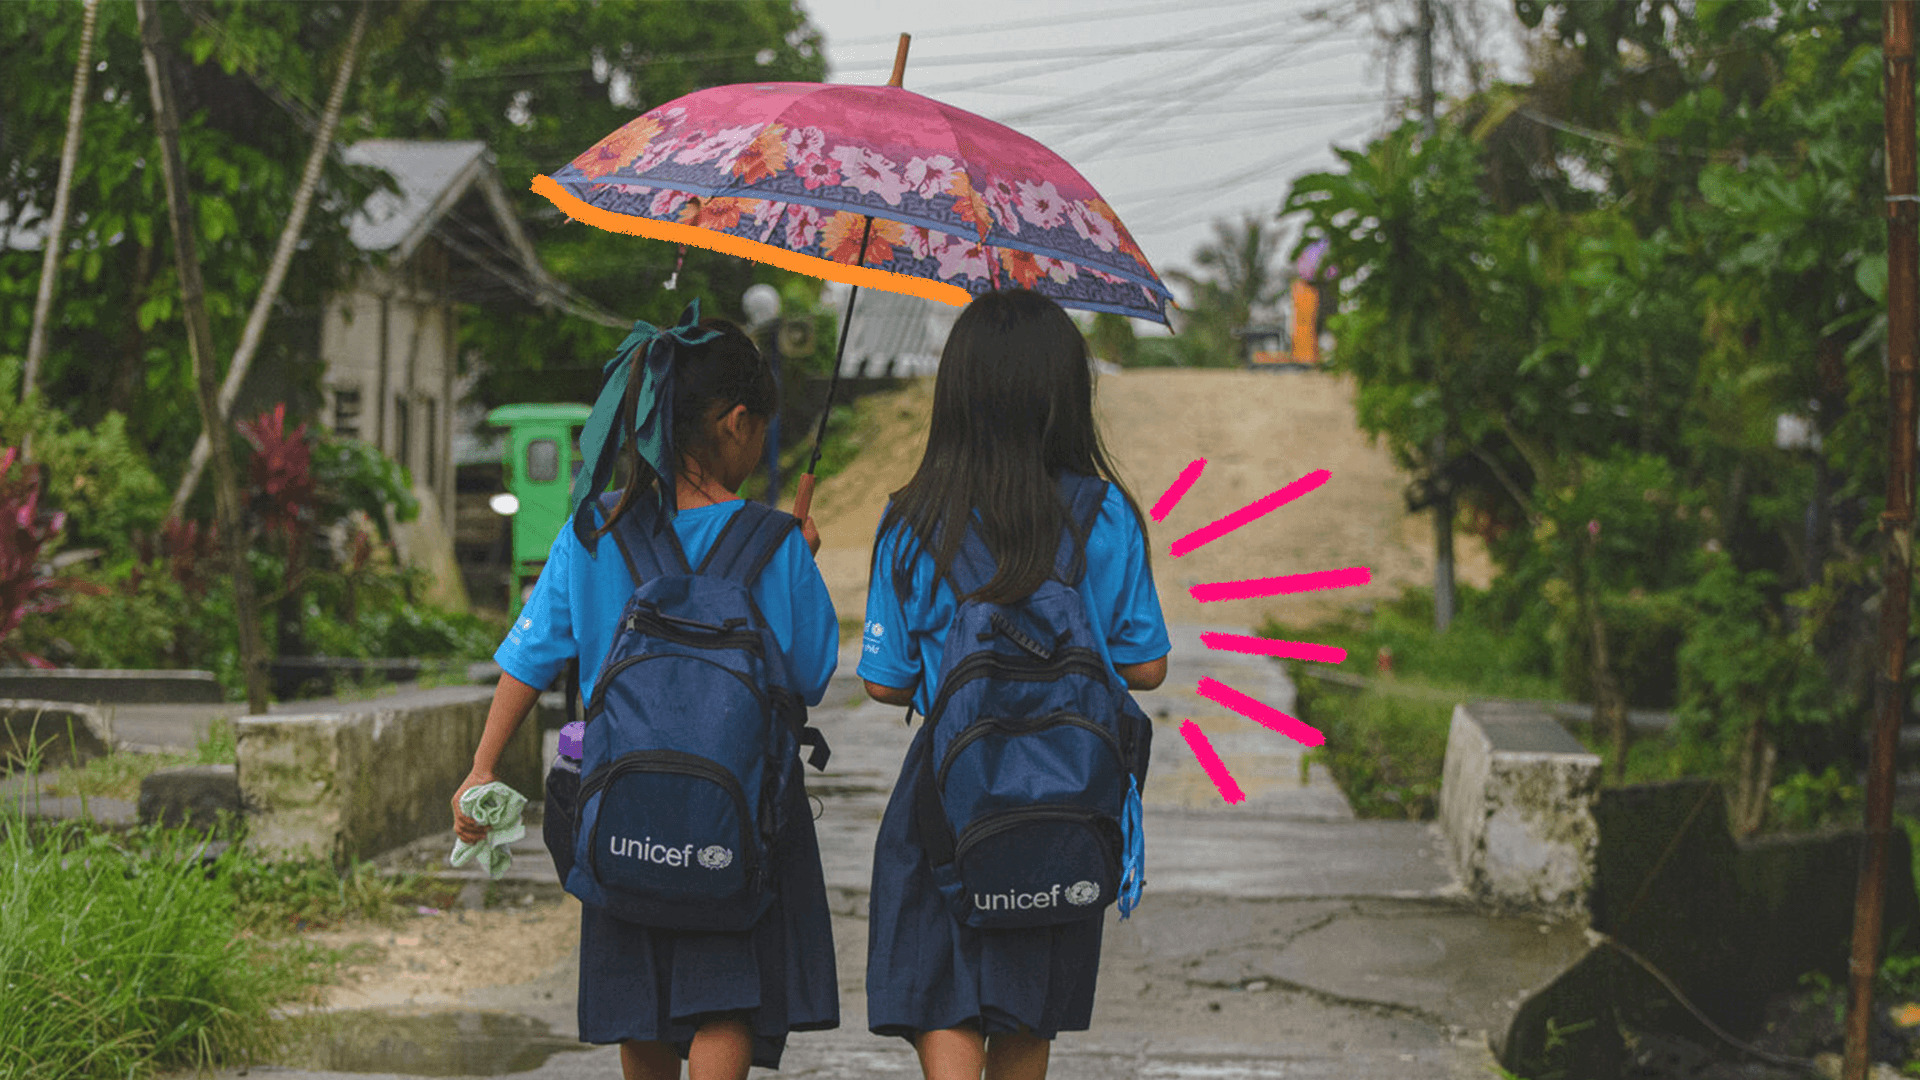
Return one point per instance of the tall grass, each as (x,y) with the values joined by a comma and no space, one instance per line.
(120,956)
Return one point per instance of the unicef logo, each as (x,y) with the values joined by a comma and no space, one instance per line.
(876,629)
(1079,894)
(715,857)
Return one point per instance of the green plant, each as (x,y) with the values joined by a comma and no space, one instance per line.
(120,955)
(118,775)
(1807,800)
(1384,749)
(300,894)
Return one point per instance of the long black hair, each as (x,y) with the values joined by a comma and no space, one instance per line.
(1012,411)
(723,372)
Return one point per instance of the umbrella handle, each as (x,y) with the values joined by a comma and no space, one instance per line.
(803,496)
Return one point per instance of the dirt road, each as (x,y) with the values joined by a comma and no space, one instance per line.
(1257,430)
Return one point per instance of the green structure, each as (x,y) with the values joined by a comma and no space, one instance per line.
(542,458)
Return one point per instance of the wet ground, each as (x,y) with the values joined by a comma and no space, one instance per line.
(1278,938)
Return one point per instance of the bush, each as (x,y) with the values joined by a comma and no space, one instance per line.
(120,956)
(1644,635)
(1386,751)
(1386,745)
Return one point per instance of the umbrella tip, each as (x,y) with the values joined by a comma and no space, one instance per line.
(900,61)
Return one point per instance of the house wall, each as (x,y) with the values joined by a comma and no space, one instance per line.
(387,343)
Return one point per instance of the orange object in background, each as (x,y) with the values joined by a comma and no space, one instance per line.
(1306,322)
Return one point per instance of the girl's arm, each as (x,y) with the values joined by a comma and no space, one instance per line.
(889,695)
(512,701)
(1146,675)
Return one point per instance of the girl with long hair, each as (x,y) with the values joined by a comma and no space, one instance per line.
(1012,416)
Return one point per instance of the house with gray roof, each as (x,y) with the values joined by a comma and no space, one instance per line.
(388,340)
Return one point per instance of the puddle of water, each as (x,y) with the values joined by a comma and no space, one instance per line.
(464,1043)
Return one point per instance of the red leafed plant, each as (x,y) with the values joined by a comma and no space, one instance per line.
(187,547)
(27,584)
(281,472)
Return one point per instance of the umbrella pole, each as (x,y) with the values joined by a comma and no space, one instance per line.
(803,492)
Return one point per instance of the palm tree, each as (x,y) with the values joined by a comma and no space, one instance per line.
(1238,279)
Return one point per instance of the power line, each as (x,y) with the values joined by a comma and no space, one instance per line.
(1204,137)
(975,29)
(1219,88)
(1225,184)
(1172,44)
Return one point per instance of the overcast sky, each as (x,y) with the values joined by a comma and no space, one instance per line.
(1178,113)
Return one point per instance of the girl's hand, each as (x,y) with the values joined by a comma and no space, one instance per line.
(463,826)
(810,534)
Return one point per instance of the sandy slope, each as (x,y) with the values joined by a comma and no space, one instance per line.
(1258,432)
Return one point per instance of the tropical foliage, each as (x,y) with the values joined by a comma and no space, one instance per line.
(1634,302)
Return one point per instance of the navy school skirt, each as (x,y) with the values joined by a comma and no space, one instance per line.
(928,972)
(644,984)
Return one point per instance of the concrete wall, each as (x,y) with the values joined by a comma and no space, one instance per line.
(354,784)
(53,733)
(104,686)
(1516,801)
(1729,922)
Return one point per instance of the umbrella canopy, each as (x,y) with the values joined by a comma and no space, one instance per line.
(874,186)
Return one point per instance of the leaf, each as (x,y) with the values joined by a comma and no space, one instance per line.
(1871,276)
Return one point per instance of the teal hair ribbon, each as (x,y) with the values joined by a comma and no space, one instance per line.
(650,427)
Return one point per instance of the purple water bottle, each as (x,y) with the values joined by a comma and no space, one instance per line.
(572,740)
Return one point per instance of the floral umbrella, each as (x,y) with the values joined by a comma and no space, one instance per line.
(790,173)
(874,186)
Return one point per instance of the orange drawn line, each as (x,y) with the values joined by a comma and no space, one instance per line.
(866,277)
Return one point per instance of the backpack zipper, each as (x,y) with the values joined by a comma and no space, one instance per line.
(1011,819)
(1077,660)
(598,700)
(979,729)
(656,623)
(673,761)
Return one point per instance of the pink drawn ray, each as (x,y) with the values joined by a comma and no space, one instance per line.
(1253,511)
(1282,585)
(1210,761)
(1178,489)
(1259,646)
(1261,713)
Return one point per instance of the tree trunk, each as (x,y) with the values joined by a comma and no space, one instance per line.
(193,304)
(282,258)
(127,376)
(1757,758)
(62,199)
(1609,707)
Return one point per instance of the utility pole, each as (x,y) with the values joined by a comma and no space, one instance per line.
(193,302)
(1896,525)
(1440,490)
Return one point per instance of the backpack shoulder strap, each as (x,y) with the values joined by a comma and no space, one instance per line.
(646,540)
(748,542)
(1084,496)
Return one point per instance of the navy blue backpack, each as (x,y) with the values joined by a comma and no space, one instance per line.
(689,771)
(1028,797)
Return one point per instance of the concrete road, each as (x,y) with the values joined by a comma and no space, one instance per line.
(1279,937)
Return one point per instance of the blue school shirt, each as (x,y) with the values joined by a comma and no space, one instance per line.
(903,642)
(575,607)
